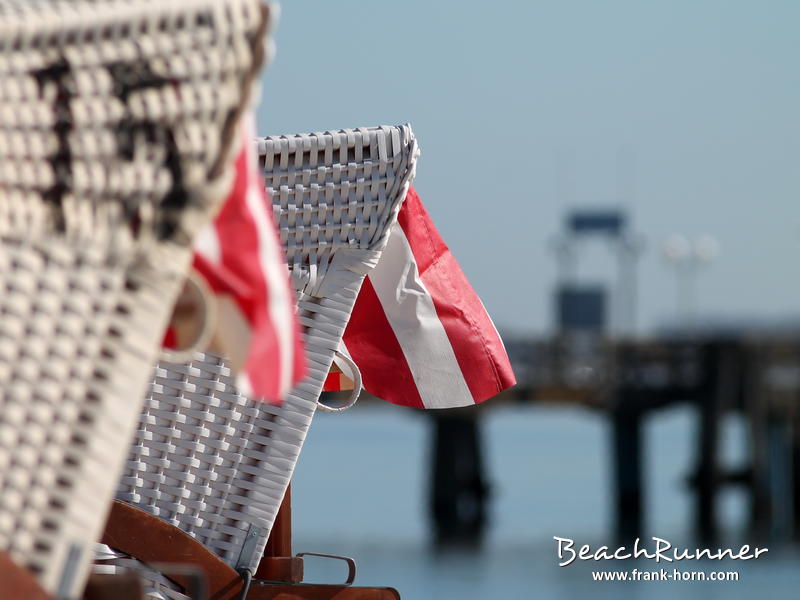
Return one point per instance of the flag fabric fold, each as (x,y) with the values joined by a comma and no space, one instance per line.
(241,259)
(419,333)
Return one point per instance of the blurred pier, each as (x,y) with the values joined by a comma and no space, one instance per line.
(596,361)
(627,381)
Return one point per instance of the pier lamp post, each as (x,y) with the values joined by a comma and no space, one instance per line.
(687,257)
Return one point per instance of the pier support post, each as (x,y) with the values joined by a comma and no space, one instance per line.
(795,472)
(458,490)
(723,368)
(629,501)
(757,415)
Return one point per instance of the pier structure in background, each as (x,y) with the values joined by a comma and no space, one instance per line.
(754,377)
(583,308)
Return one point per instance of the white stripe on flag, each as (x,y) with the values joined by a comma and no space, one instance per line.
(280,304)
(412,316)
(207,244)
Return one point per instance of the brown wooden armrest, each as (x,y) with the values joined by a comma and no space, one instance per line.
(287,569)
(310,591)
(18,582)
(124,586)
(151,540)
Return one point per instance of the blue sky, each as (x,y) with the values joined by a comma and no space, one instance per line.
(685,112)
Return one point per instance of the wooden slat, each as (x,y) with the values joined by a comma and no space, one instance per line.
(280,538)
(152,540)
(287,569)
(124,586)
(260,591)
(278,564)
(18,582)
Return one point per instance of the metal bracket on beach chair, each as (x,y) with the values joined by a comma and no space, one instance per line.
(351,564)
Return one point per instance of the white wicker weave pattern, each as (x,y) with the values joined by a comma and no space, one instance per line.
(116,121)
(197,437)
(206,459)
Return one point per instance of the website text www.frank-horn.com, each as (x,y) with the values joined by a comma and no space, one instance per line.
(665,575)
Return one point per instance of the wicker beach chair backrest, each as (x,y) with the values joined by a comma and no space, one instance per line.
(117,123)
(207,459)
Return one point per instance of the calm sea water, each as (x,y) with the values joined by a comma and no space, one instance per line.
(360,491)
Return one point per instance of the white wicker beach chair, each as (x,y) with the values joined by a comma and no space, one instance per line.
(206,459)
(116,123)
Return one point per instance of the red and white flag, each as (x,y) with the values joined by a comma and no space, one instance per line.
(241,259)
(419,333)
